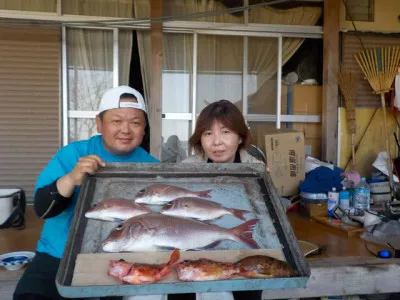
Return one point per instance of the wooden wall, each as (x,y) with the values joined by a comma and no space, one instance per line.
(307,100)
(373,141)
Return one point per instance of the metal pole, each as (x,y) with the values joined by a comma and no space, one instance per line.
(115,57)
(65,136)
(194,82)
(279,84)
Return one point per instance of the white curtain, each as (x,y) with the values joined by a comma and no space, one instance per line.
(220,58)
(104,8)
(226,56)
(90,60)
(29,5)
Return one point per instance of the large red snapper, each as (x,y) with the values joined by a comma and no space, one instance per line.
(135,273)
(155,231)
(205,269)
(163,193)
(200,209)
(116,210)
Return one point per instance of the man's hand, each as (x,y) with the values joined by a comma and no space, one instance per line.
(86,165)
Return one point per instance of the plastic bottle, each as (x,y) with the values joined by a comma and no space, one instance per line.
(333,200)
(344,198)
(361,196)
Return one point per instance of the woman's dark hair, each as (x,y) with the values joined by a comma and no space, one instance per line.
(226,113)
(146,139)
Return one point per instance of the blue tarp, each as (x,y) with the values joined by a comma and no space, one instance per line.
(322,180)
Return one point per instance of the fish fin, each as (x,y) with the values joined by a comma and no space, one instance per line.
(145,207)
(212,245)
(175,255)
(244,233)
(116,220)
(208,221)
(163,248)
(239,213)
(203,194)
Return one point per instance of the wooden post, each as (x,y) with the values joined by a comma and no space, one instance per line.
(156,79)
(330,99)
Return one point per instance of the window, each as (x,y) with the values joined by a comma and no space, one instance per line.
(201,64)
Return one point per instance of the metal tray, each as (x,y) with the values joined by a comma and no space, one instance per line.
(242,186)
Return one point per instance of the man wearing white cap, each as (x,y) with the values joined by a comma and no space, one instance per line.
(125,137)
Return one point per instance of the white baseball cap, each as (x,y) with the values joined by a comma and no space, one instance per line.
(111,99)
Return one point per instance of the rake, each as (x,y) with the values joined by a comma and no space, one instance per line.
(379,66)
(348,83)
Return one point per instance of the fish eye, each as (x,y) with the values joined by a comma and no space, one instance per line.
(142,191)
(119,227)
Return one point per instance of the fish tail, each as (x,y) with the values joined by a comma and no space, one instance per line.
(239,213)
(175,255)
(244,233)
(203,194)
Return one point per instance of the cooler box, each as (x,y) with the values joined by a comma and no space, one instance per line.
(12,208)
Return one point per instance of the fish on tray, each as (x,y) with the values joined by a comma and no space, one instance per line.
(205,269)
(162,193)
(134,273)
(155,231)
(200,209)
(116,210)
(260,266)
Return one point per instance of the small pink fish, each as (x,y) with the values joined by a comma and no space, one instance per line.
(134,273)
(205,269)
(162,193)
(200,209)
(116,210)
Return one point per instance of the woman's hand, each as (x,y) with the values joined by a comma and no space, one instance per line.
(86,165)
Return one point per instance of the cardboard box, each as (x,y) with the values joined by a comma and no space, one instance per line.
(285,158)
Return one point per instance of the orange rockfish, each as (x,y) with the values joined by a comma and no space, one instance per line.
(260,266)
(205,269)
(200,209)
(116,210)
(162,193)
(142,273)
(156,231)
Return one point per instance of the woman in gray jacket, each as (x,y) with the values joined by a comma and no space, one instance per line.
(222,136)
